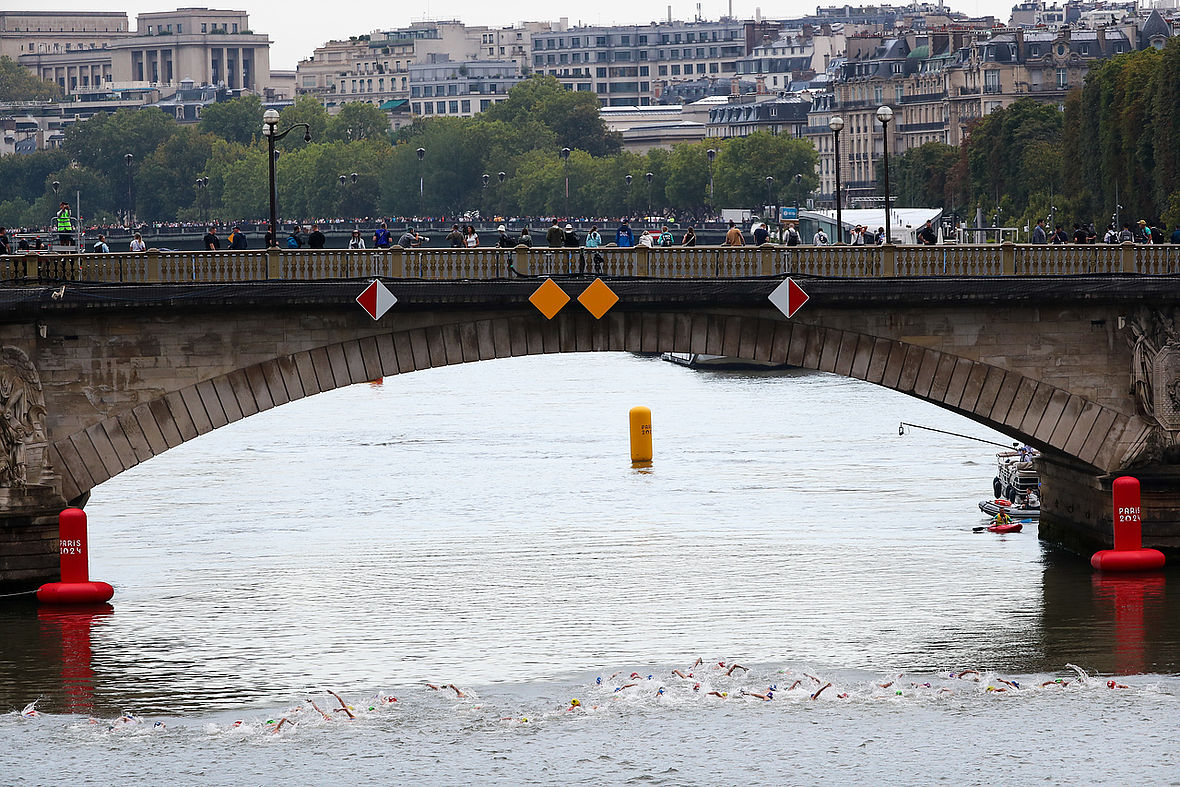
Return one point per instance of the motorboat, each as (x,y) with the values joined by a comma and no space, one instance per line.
(1001,505)
(1016,485)
(722,362)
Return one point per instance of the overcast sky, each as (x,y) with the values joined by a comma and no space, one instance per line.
(297,27)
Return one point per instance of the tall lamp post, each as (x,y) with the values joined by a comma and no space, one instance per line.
(649,176)
(202,202)
(345,180)
(711,154)
(769,196)
(627,179)
(270,122)
(565,161)
(836,124)
(483,196)
(500,191)
(798,186)
(130,204)
(884,115)
(421,152)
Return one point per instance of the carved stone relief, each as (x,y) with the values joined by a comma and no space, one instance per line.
(1155,383)
(22,421)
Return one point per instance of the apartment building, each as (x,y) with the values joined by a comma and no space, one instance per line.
(462,89)
(632,65)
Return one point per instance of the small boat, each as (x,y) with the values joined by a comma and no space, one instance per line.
(1003,505)
(1005,527)
(719,362)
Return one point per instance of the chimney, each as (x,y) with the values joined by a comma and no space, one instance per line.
(669,14)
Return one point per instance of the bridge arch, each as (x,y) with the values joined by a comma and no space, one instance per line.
(1036,412)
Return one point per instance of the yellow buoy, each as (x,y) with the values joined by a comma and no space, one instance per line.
(641,434)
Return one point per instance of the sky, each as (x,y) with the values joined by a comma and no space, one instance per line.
(297,27)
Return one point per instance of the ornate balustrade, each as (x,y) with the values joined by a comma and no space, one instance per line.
(678,262)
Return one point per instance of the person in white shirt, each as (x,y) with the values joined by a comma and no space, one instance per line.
(356,241)
(100,246)
(821,238)
(646,239)
(137,243)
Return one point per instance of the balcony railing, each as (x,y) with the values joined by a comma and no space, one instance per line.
(1004,259)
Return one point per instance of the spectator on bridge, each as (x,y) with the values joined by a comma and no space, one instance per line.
(237,239)
(100,245)
(791,236)
(503,240)
(356,241)
(470,238)
(880,239)
(293,240)
(212,242)
(1079,233)
(690,237)
(1125,234)
(5,244)
(554,238)
(1060,236)
(569,238)
(733,236)
(593,237)
(410,239)
(137,243)
(647,240)
(1112,234)
(1038,233)
(315,240)
(665,238)
(1176,234)
(455,237)
(927,236)
(761,234)
(381,237)
(820,238)
(1143,234)
(623,237)
(64,224)
(525,238)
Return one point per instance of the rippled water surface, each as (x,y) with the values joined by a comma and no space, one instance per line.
(481,525)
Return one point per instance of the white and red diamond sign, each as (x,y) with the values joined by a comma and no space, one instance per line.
(788,297)
(376,299)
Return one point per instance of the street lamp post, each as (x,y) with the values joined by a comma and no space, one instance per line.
(627,179)
(483,197)
(711,154)
(202,202)
(836,124)
(798,186)
(884,115)
(500,190)
(270,121)
(565,161)
(769,196)
(421,153)
(649,176)
(345,181)
(130,204)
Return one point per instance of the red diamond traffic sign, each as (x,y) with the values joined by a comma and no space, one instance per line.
(376,299)
(788,297)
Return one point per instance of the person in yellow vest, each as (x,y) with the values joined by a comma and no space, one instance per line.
(64,224)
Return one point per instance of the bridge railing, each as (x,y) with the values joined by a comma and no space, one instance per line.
(677,262)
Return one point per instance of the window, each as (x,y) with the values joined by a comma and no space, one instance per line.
(700,51)
(643,71)
(663,71)
(1062,79)
(700,68)
(600,73)
(428,107)
(600,41)
(452,89)
(428,90)
(417,108)
(675,71)
(625,40)
(466,106)
(577,57)
(622,55)
(898,92)
(442,107)
(235,27)
(204,27)
(484,103)
(712,68)
(453,107)
(643,54)
(878,94)
(575,42)
(642,40)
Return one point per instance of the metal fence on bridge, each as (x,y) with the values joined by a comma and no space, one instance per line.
(679,262)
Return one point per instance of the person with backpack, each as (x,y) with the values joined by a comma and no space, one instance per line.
(293,240)
(665,238)
(1125,234)
(690,237)
(100,246)
(381,237)
(792,235)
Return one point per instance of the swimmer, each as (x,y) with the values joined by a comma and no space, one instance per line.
(343,705)
(317,707)
(817,680)
(767,697)
(697,663)
(283,721)
(696,687)
(457,690)
(1111,684)
(574,704)
(625,686)
(820,690)
(1058,682)
(993,688)
(678,673)
(884,685)
(1011,683)
(721,694)
(617,674)
(794,685)
(729,672)
(965,673)
(30,711)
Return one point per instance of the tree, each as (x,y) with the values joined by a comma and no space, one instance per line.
(236,120)
(922,176)
(1003,156)
(356,121)
(572,115)
(743,165)
(25,177)
(17,84)
(306,109)
(165,182)
(687,186)
(101,142)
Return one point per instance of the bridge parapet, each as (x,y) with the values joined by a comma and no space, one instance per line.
(678,262)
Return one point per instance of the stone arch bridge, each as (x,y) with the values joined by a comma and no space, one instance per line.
(98,377)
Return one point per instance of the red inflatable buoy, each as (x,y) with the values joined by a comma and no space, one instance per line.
(1128,553)
(75,586)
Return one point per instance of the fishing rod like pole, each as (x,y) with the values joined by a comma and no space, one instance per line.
(901,431)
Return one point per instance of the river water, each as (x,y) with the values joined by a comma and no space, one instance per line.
(481,525)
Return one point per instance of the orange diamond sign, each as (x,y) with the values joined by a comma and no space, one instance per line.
(549,299)
(598,298)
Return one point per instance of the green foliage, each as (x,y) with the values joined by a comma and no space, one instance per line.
(743,164)
(237,120)
(305,110)
(571,115)
(357,121)
(24,177)
(12,212)
(166,181)
(925,176)
(17,84)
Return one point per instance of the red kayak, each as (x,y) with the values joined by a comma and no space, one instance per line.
(1011,527)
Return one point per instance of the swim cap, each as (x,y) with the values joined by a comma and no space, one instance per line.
(575,703)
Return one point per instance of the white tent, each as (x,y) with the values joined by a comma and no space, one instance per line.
(904,222)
